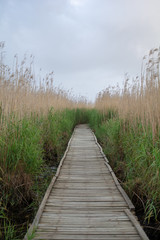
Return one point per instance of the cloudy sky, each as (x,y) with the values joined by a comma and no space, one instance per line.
(89,44)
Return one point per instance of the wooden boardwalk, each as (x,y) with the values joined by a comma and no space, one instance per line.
(84,199)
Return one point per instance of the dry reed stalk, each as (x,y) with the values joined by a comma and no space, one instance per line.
(20,94)
(141,99)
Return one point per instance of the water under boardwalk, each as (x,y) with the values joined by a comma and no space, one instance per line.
(85,200)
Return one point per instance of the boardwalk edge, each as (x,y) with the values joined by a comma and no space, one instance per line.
(121,190)
(47,193)
(136,224)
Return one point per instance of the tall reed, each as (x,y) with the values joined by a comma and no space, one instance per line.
(22,93)
(139,100)
(36,122)
(131,138)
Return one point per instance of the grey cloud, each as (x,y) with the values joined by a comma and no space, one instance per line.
(86,42)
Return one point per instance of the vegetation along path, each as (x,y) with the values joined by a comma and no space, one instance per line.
(84,199)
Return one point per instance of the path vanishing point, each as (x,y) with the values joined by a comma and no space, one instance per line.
(84,199)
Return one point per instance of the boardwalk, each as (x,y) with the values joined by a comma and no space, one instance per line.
(84,199)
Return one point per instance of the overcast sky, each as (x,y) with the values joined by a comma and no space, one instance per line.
(89,44)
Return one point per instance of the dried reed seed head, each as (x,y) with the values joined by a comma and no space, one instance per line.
(20,92)
(139,100)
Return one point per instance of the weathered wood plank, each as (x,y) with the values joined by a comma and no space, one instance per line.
(114,215)
(90,230)
(86,199)
(88,237)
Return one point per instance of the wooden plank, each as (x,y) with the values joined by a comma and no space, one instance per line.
(84,171)
(84,208)
(57,236)
(93,231)
(90,230)
(52,224)
(86,198)
(58,203)
(82,183)
(79,193)
(110,221)
(85,178)
(110,235)
(109,214)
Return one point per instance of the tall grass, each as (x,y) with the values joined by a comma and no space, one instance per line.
(36,122)
(132,135)
(30,150)
(23,92)
(139,100)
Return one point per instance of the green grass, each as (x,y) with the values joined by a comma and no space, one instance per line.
(28,149)
(31,146)
(135,159)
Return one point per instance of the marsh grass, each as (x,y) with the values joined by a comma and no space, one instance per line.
(140,99)
(29,148)
(36,122)
(131,138)
(22,91)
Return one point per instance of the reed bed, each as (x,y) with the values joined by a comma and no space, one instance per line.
(36,122)
(22,93)
(140,99)
(131,138)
